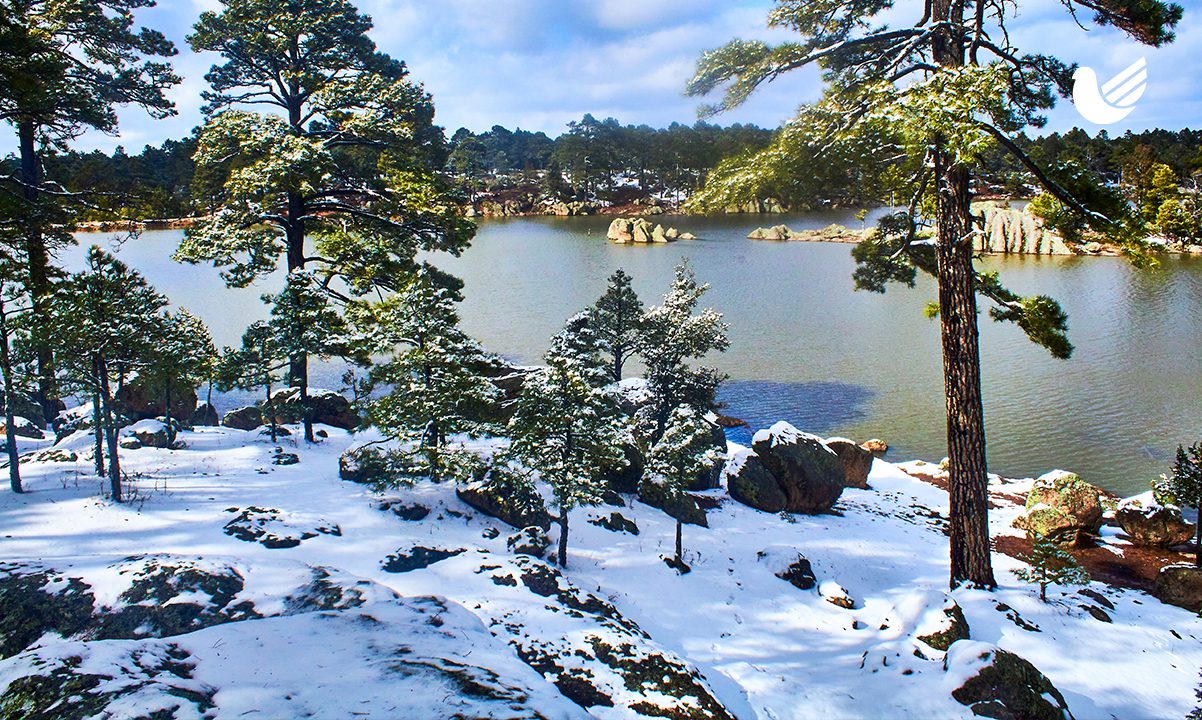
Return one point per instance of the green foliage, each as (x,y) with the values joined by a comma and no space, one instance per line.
(432,374)
(1185,484)
(1050,565)
(673,333)
(682,454)
(616,318)
(258,363)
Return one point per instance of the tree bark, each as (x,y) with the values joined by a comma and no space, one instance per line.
(110,434)
(971,559)
(38,262)
(679,543)
(167,412)
(563,537)
(98,433)
(10,417)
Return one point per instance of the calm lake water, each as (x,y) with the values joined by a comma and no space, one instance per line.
(808,349)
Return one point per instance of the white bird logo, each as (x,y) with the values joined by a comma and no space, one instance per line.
(1113,101)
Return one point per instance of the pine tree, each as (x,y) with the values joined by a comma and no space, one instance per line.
(1185,486)
(1050,564)
(671,335)
(14,309)
(51,97)
(674,462)
(568,426)
(107,324)
(435,388)
(184,357)
(259,363)
(616,318)
(347,158)
(935,94)
(306,324)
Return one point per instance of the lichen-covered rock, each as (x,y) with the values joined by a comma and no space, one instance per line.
(513,503)
(856,461)
(243,418)
(35,601)
(1002,685)
(1078,503)
(1180,585)
(946,626)
(532,541)
(276,529)
(807,471)
(749,482)
(1153,525)
(1051,523)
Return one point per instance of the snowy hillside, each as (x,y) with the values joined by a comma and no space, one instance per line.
(236,585)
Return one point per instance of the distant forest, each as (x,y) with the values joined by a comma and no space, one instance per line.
(605,161)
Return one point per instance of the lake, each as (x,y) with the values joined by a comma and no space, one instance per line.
(808,349)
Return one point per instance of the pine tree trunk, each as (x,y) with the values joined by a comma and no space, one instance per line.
(563,538)
(110,433)
(269,408)
(679,543)
(971,559)
(167,412)
(10,417)
(1198,541)
(38,260)
(98,434)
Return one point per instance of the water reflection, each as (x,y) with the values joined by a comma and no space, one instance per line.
(818,407)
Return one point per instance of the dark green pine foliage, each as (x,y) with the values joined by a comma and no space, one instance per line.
(568,426)
(674,333)
(107,324)
(675,461)
(50,98)
(1185,486)
(1050,564)
(184,357)
(617,320)
(338,176)
(432,372)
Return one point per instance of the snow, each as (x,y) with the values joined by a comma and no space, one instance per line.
(765,649)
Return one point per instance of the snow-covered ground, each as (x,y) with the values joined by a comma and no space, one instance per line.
(296,600)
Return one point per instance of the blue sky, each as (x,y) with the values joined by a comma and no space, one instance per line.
(537,64)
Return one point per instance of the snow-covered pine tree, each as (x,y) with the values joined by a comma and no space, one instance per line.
(671,336)
(184,357)
(617,317)
(685,451)
(14,307)
(432,370)
(259,363)
(1050,565)
(340,176)
(106,322)
(306,324)
(1185,485)
(568,425)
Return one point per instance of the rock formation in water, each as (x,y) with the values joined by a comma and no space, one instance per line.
(640,230)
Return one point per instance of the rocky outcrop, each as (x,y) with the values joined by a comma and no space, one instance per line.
(135,401)
(22,427)
(205,416)
(1001,684)
(640,230)
(749,482)
(1063,507)
(149,433)
(946,627)
(762,206)
(532,541)
(1009,231)
(570,209)
(1153,525)
(26,406)
(327,408)
(515,504)
(805,470)
(243,418)
(1180,585)
(831,233)
(856,462)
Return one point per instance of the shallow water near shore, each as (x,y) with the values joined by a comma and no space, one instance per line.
(808,349)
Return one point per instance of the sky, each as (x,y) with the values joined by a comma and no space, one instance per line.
(538,64)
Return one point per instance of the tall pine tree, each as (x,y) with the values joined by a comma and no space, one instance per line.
(946,85)
(339,177)
(674,462)
(184,357)
(617,318)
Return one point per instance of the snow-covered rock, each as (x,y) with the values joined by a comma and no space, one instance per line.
(1151,524)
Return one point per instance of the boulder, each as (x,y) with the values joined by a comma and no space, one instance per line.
(1180,585)
(1077,506)
(327,407)
(807,471)
(658,235)
(836,595)
(877,447)
(1052,523)
(136,401)
(205,416)
(641,229)
(1002,685)
(688,236)
(22,427)
(244,418)
(856,462)
(532,541)
(621,231)
(945,626)
(1153,525)
(749,482)
(513,503)
(150,433)
(778,232)
(799,574)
